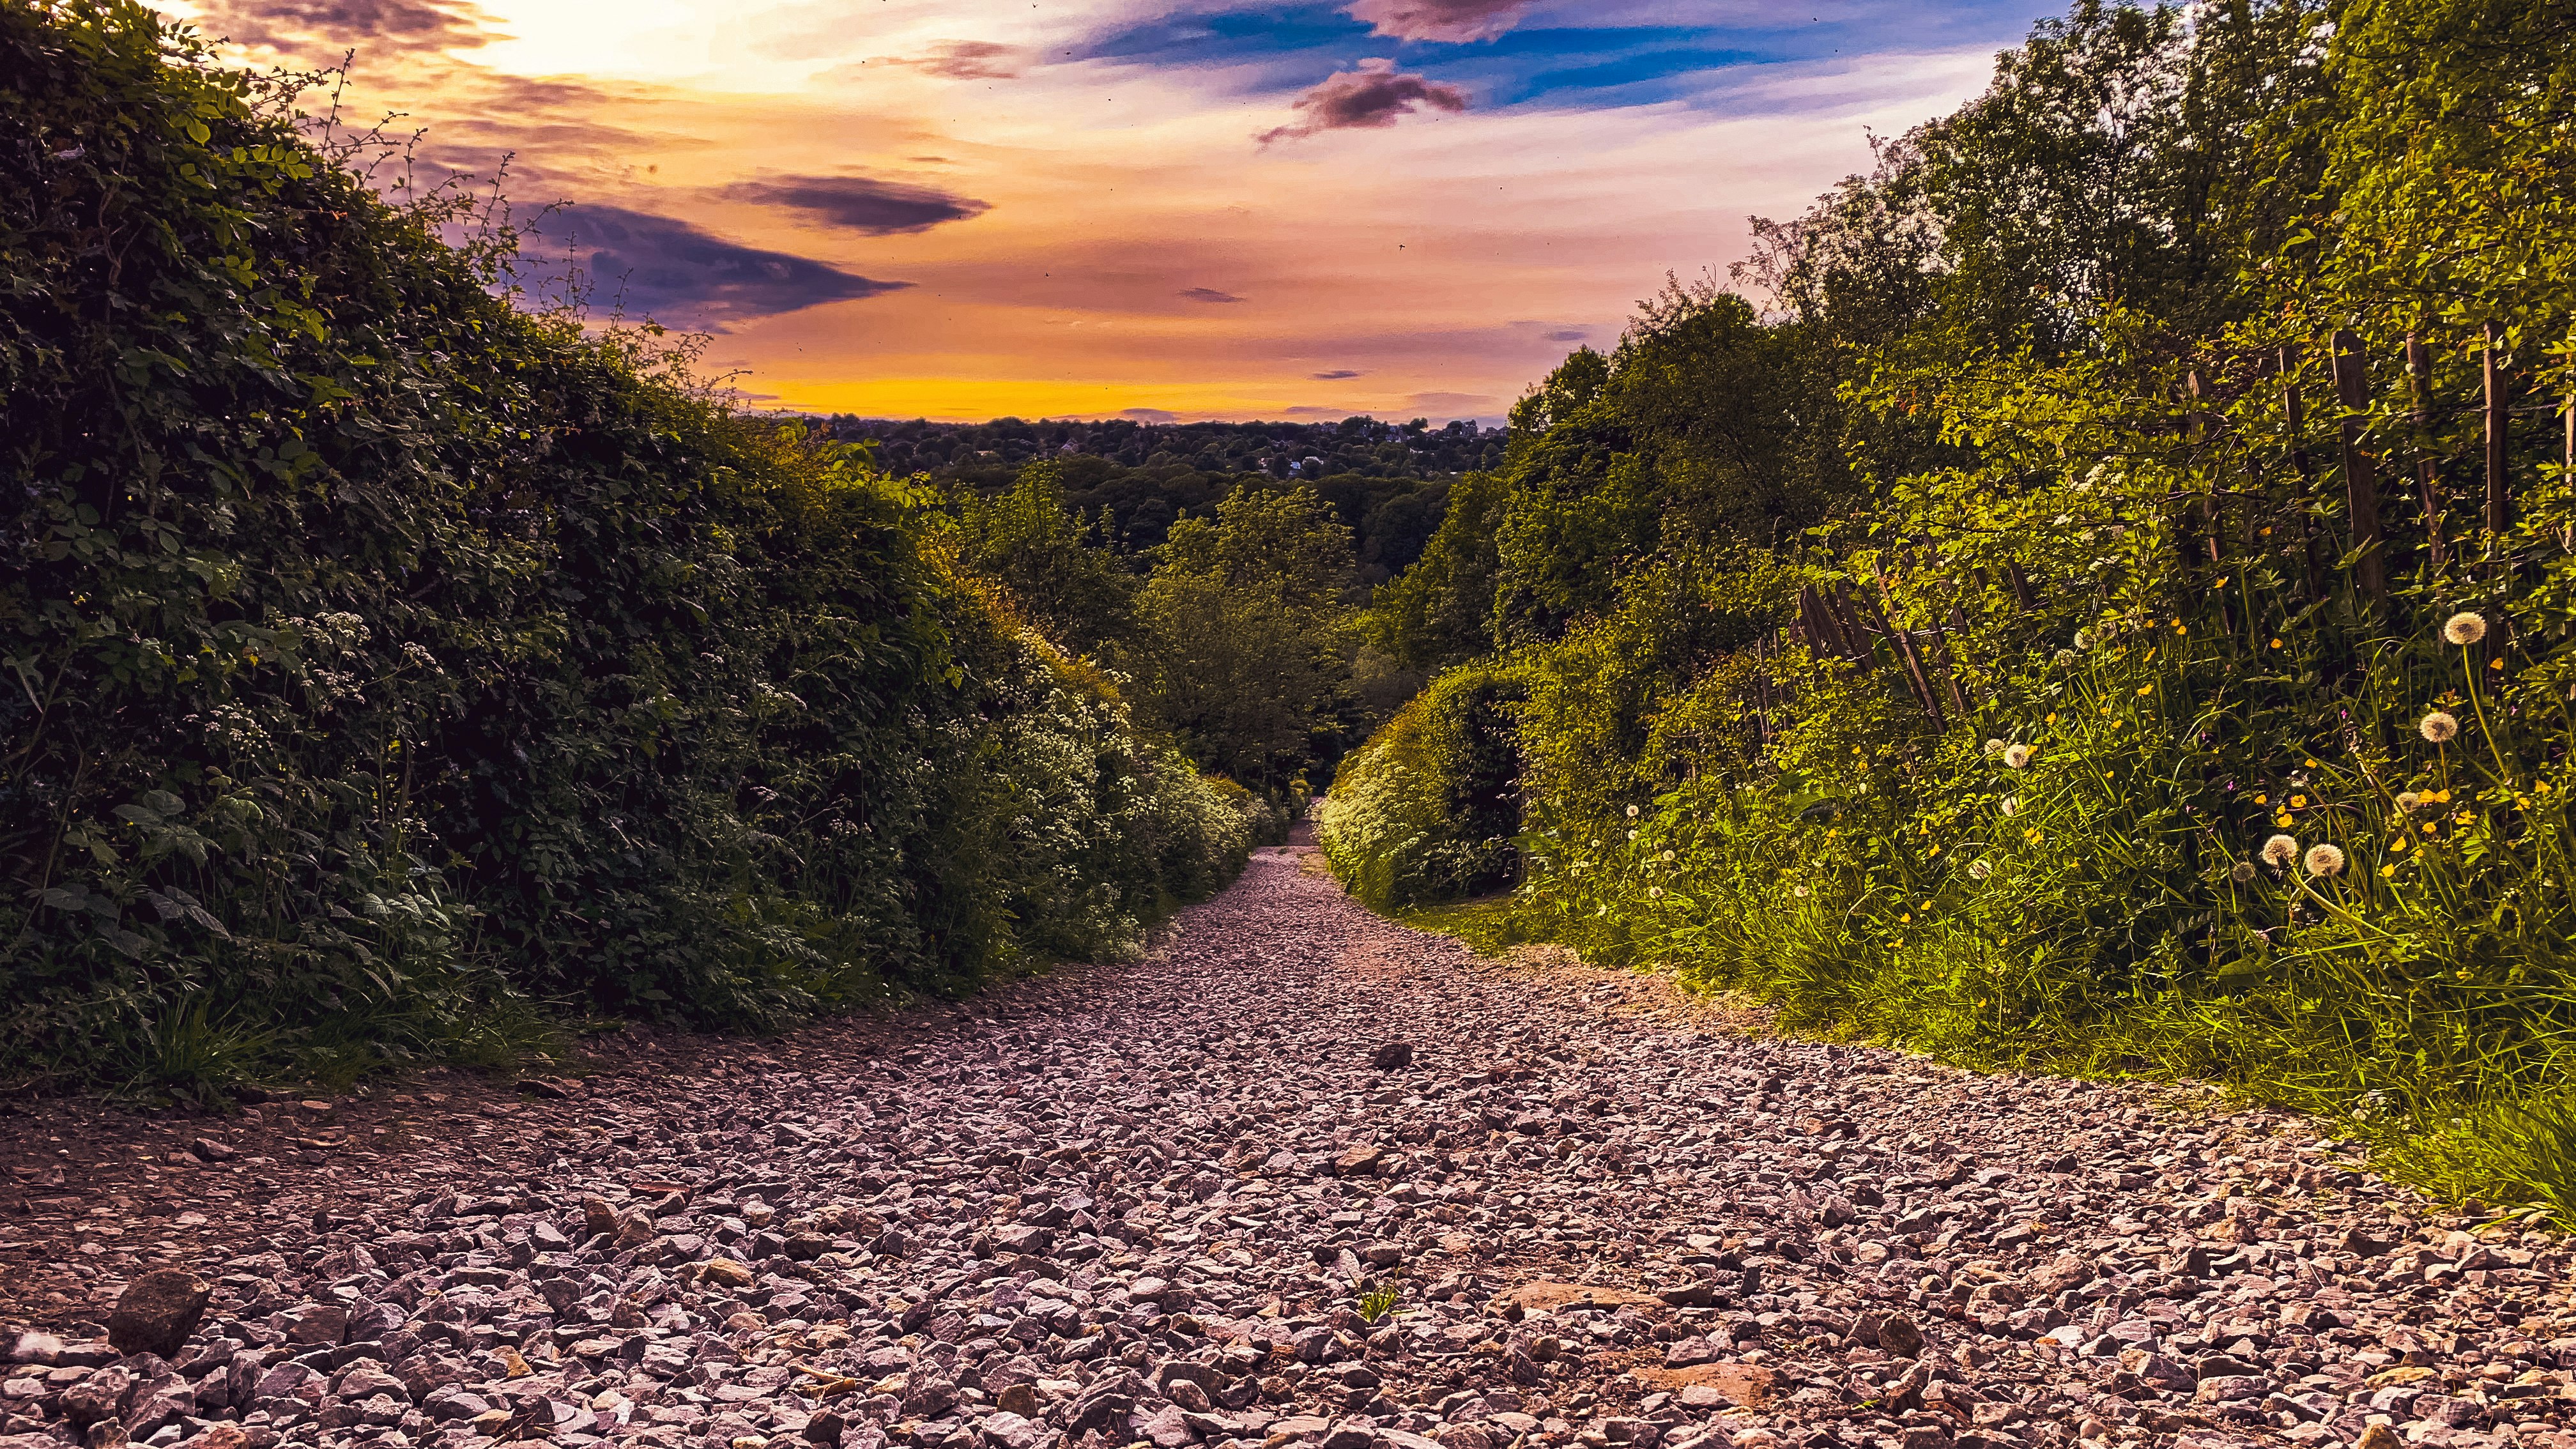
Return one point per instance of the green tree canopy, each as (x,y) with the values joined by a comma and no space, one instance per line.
(1027,540)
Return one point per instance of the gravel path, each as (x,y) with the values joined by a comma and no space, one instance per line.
(1308,1178)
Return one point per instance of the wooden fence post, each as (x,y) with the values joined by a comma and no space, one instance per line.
(2360,483)
(2294,413)
(1914,671)
(1761,693)
(2419,386)
(2496,424)
(1831,631)
(1847,619)
(1950,672)
(2213,520)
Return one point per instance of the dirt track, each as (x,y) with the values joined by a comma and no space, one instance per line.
(1151,1202)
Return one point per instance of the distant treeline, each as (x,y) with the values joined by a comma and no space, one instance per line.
(1388,484)
(990,453)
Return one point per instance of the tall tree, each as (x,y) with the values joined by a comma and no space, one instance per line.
(1028,541)
(1241,651)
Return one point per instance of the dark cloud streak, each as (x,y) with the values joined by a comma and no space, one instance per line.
(658,267)
(1375,95)
(1209,294)
(857,203)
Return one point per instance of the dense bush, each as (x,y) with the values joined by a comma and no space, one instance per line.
(2193,694)
(382,658)
(1428,809)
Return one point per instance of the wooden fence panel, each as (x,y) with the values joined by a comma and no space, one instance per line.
(2360,482)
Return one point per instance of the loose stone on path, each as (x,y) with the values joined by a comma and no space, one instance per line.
(1306,1180)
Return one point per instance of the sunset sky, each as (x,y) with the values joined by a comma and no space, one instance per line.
(968,208)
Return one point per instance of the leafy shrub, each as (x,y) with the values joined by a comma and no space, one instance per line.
(2002,768)
(1428,809)
(381,658)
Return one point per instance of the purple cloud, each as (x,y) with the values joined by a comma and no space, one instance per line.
(1568,334)
(1374,95)
(1456,21)
(856,203)
(370,26)
(655,266)
(1209,294)
(1338,374)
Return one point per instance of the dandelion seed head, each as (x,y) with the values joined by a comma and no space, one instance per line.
(2280,850)
(2325,861)
(2018,756)
(2065,659)
(1979,870)
(2083,638)
(2408,800)
(2011,805)
(2241,872)
(1993,748)
(1654,893)
(1668,855)
(1632,812)
(2441,726)
(2465,627)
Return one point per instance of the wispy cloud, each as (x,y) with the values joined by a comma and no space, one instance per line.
(1462,404)
(1376,94)
(966,60)
(859,203)
(1568,334)
(1209,294)
(1339,374)
(1455,21)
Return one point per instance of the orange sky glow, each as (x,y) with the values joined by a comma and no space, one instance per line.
(968,209)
